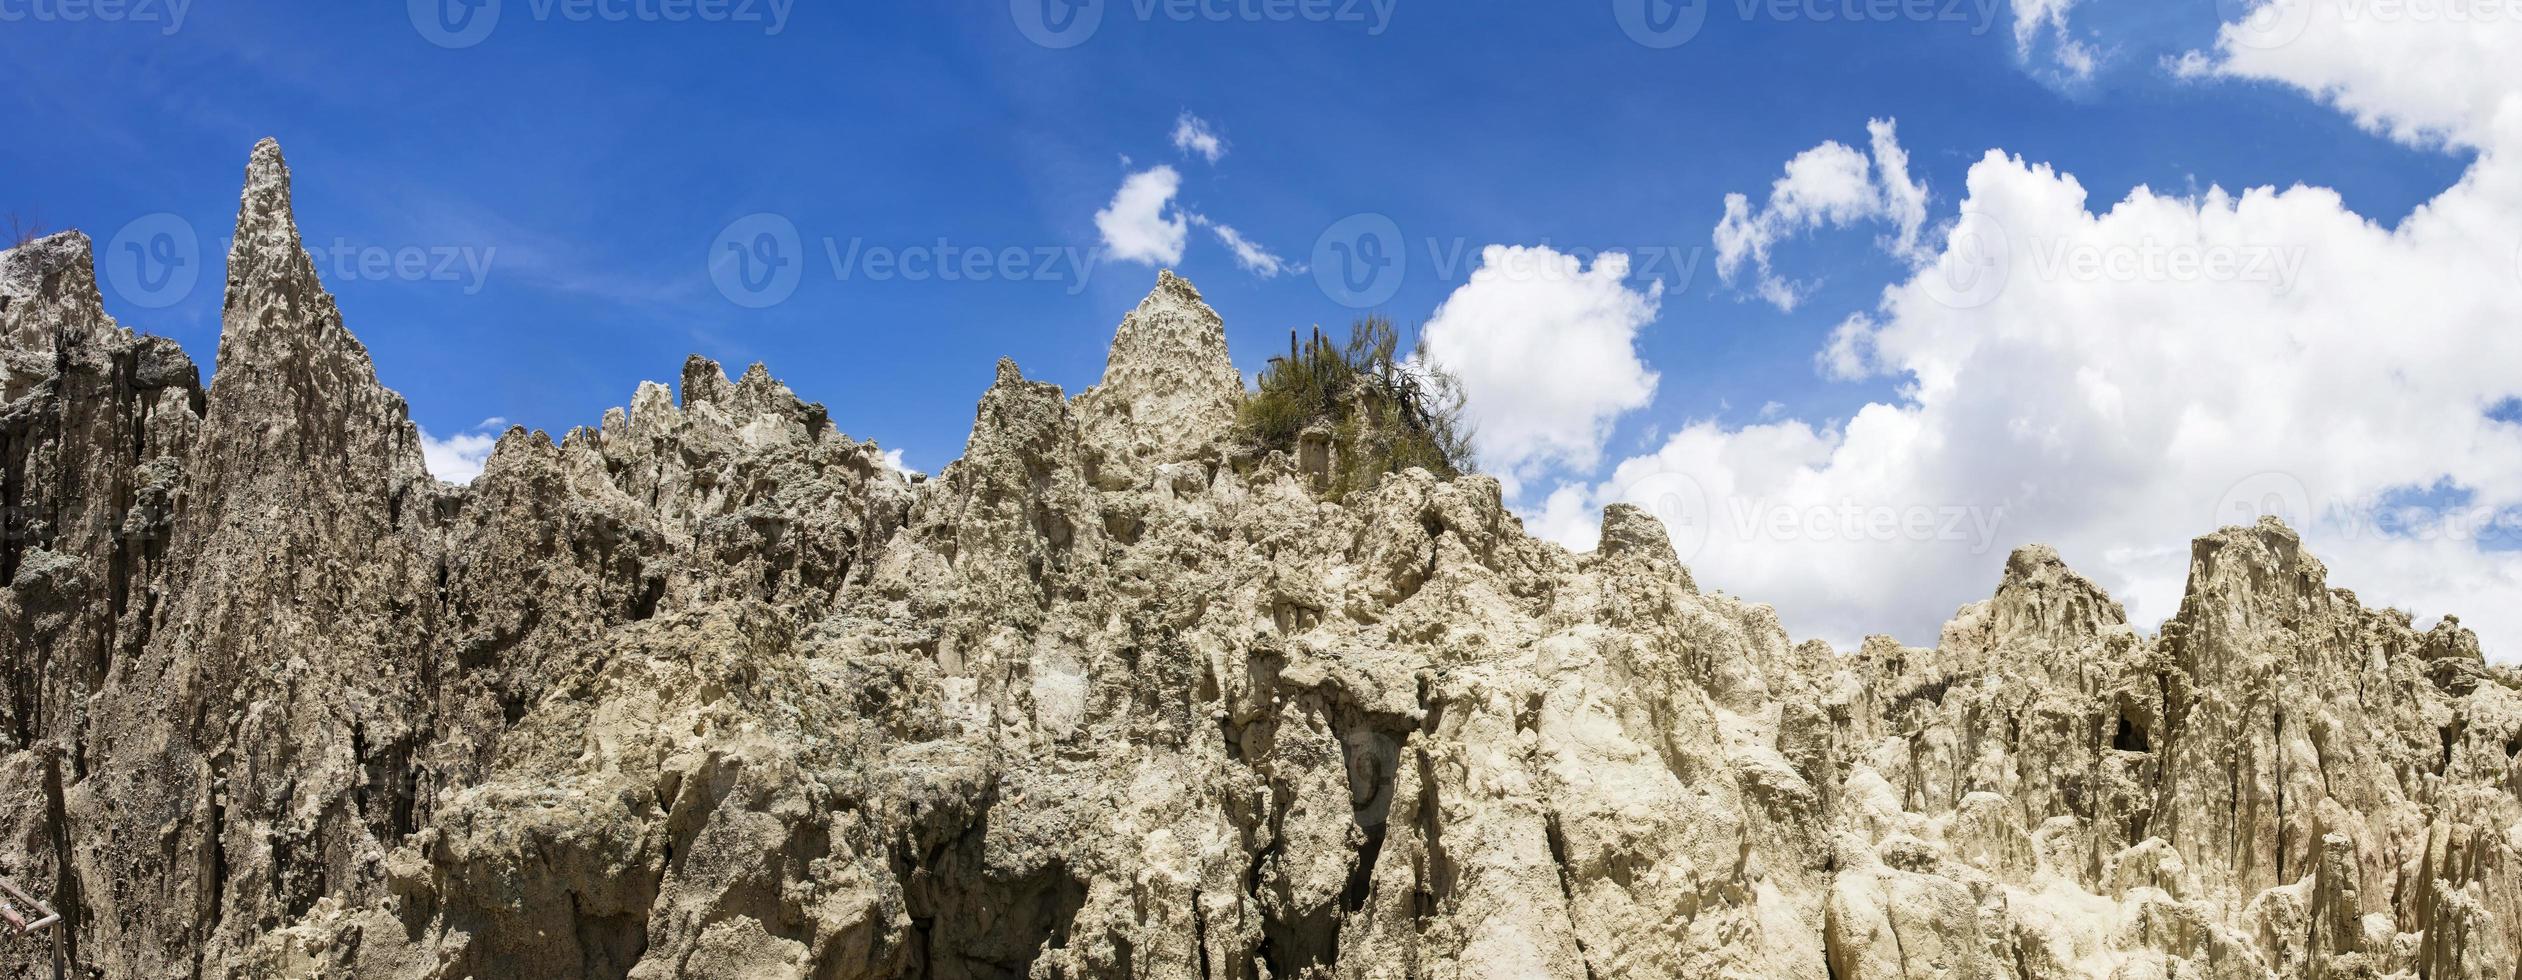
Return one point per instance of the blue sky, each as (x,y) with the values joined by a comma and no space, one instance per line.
(563,181)
(585,167)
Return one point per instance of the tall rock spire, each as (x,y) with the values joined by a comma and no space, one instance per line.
(1169,390)
(286,665)
(292,384)
(267,244)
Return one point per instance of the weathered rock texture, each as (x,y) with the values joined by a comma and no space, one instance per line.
(709,691)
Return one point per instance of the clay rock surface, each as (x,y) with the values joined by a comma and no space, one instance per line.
(708,690)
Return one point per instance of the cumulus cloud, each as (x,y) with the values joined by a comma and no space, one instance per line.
(1546,348)
(1831,185)
(2116,379)
(1141,224)
(459,458)
(1195,137)
(2422,72)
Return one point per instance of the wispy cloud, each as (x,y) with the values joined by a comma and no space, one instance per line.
(1251,255)
(1195,137)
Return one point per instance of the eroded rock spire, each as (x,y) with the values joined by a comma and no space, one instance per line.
(289,619)
(291,379)
(1169,390)
(48,294)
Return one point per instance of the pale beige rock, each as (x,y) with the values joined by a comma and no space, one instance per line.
(711,691)
(1169,392)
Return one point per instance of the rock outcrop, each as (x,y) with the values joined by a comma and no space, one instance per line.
(709,690)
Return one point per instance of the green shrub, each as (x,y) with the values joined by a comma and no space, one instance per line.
(1383,413)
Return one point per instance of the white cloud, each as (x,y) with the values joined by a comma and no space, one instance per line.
(2038,21)
(1141,224)
(1194,137)
(2145,372)
(1251,255)
(1904,200)
(1144,223)
(2422,71)
(1831,185)
(2189,66)
(1846,356)
(893,461)
(459,458)
(1546,350)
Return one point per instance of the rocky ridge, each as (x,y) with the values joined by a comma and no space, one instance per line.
(710,691)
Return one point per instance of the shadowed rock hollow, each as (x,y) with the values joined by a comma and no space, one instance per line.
(710,691)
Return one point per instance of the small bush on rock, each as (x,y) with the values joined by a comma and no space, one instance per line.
(1371,411)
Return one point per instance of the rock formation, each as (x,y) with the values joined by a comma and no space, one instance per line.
(710,691)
